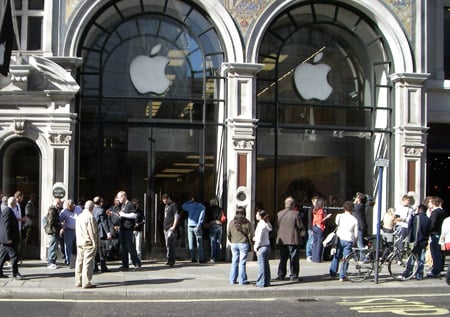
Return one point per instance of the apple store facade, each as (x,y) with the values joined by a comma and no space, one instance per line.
(174,97)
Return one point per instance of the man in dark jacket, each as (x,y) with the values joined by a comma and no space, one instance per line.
(436,218)
(288,240)
(127,221)
(9,238)
(418,235)
(52,227)
(104,232)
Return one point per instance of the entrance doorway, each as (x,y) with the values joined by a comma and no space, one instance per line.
(20,170)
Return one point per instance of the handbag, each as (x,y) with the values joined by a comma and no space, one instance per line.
(331,240)
(446,246)
(223,218)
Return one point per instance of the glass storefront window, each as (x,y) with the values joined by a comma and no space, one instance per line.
(321,98)
(447,42)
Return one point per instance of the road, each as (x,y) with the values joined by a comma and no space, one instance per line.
(376,306)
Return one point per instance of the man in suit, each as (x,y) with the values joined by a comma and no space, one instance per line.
(104,232)
(9,238)
(288,240)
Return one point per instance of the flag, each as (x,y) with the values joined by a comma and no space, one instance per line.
(6,40)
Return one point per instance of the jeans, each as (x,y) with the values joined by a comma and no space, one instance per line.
(128,247)
(292,253)
(195,233)
(420,252)
(263,278)
(436,254)
(344,249)
(239,253)
(215,238)
(309,244)
(170,237)
(317,244)
(52,248)
(69,243)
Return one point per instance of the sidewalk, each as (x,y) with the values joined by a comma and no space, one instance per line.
(188,280)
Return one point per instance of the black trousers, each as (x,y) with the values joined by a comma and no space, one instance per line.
(9,252)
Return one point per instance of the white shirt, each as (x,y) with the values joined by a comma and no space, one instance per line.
(347,229)
(405,213)
(261,237)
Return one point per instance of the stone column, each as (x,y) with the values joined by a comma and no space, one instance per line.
(410,126)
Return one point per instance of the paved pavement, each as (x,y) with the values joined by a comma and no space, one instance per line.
(188,280)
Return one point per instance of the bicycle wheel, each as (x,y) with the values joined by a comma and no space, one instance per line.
(358,270)
(403,265)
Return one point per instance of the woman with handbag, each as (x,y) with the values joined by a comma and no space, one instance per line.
(347,232)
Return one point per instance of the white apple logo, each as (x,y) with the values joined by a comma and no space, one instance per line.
(148,73)
(311,79)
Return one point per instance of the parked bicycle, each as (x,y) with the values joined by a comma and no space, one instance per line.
(402,264)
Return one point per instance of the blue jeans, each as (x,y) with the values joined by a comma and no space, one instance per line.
(317,244)
(420,252)
(128,247)
(69,243)
(195,233)
(309,244)
(215,238)
(52,248)
(239,252)
(344,249)
(436,254)
(263,278)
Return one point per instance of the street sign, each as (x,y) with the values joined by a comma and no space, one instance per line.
(381,162)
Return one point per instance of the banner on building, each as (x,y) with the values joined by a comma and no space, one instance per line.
(6,39)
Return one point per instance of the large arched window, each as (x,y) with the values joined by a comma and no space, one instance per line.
(323,103)
(149,100)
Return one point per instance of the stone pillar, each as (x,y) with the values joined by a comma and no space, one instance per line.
(241,132)
(410,126)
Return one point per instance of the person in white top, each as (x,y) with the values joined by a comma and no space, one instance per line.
(402,215)
(347,231)
(443,240)
(262,248)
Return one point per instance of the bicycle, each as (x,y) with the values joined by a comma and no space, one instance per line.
(402,263)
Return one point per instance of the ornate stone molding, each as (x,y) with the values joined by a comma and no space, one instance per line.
(60,139)
(243,144)
(19,127)
(413,151)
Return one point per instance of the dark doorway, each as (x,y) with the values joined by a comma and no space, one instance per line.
(438,167)
(20,170)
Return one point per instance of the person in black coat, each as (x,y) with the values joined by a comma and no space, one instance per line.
(9,238)
(359,212)
(104,233)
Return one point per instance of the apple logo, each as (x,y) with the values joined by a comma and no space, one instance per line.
(2,53)
(148,72)
(311,80)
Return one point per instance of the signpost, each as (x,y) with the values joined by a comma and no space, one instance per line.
(381,164)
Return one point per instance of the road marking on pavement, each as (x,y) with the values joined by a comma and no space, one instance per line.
(136,300)
(395,305)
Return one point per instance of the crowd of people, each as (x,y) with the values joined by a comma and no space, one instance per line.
(84,234)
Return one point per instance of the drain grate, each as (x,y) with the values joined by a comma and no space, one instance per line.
(307,299)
